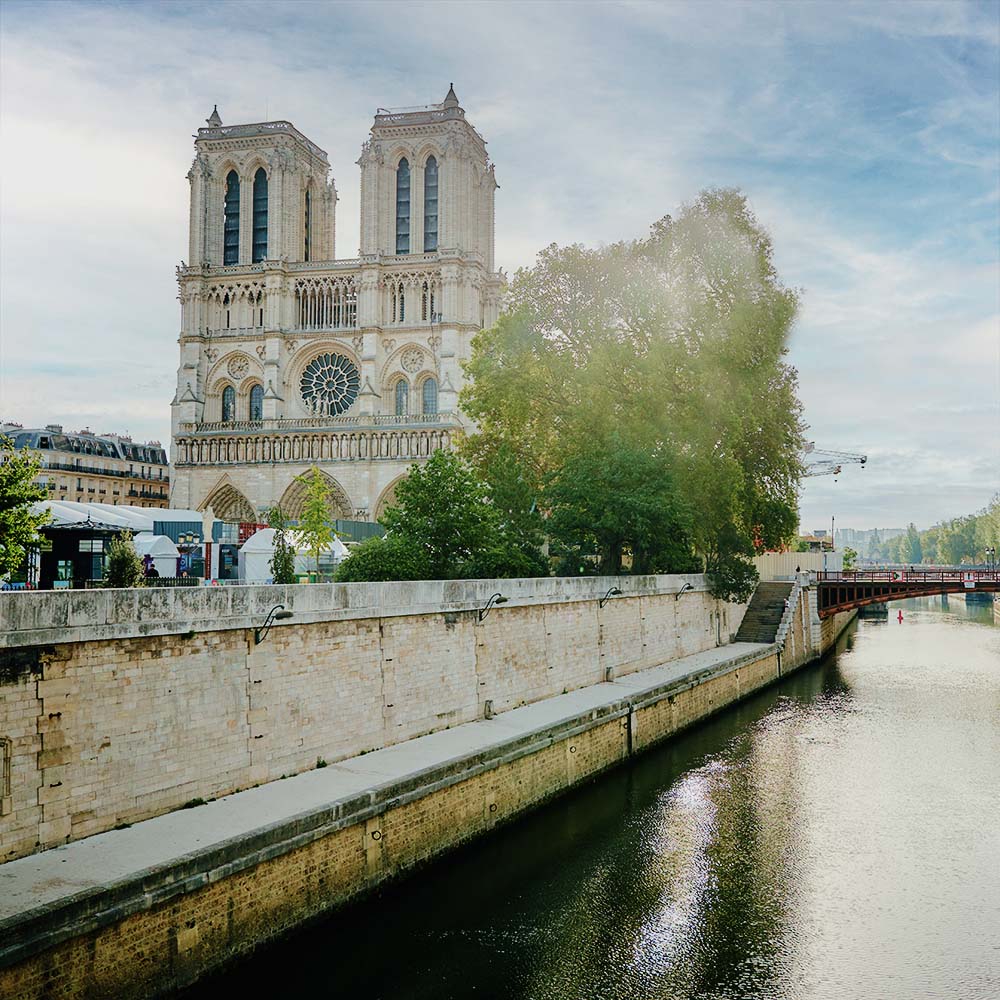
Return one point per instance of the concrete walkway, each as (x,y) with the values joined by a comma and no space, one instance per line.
(176,852)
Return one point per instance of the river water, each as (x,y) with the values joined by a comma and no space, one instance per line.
(835,837)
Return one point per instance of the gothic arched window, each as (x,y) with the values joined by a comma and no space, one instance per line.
(259,215)
(429,393)
(402,397)
(431,204)
(402,303)
(423,303)
(403,207)
(308,225)
(231,223)
(228,404)
(257,403)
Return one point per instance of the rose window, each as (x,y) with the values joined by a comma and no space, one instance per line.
(329,384)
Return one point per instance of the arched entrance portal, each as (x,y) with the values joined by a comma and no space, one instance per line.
(294,497)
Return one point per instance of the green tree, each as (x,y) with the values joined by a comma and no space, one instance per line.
(283,559)
(443,507)
(385,558)
(676,343)
(910,550)
(615,500)
(125,568)
(18,491)
(444,525)
(314,524)
(850,558)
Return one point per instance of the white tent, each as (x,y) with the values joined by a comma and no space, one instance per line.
(162,551)
(257,551)
(70,512)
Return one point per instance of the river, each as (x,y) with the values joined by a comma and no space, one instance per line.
(835,837)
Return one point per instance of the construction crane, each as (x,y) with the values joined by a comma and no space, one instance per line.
(820,462)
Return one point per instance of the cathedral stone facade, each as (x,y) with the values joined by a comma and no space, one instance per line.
(291,358)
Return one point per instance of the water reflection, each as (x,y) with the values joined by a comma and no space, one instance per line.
(833,838)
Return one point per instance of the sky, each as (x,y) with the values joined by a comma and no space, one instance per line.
(865,136)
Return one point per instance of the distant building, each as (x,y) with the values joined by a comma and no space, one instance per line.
(99,468)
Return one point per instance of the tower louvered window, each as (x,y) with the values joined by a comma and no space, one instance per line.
(431,204)
(308,225)
(403,207)
(259,216)
(231,225)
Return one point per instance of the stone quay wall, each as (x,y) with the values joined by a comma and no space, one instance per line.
(117,706)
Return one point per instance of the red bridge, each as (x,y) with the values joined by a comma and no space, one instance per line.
(852,589)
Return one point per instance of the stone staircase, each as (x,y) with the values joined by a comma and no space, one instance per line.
(763,616)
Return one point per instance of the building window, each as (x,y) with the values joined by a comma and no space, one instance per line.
(329,384)
(403,207)
(231,227)
(402,397)
(431,204)
(423,303)
(308,225)
(228,404)
(259,216)
(429,393)
(401,299)
(257,403)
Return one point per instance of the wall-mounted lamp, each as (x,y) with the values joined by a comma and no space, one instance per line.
(684,589)
(276,614)
(497,598)
(613,592)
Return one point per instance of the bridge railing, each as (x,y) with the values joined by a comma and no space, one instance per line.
(909,576)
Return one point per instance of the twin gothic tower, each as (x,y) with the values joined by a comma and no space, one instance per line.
(291,358)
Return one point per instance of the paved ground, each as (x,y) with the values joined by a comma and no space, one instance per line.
(56,876)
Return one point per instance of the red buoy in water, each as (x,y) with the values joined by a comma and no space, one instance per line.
(900,616)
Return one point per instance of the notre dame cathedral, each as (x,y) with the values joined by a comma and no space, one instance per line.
(292,358)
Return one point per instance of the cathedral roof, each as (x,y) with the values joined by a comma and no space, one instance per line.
(213,120)
(451,101)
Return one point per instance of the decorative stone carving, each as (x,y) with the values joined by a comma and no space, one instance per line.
(238,367)
(434,341)
(358,343)
(261,351)
(412,360)
(389,345)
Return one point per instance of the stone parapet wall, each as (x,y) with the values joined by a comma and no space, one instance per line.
(121,705)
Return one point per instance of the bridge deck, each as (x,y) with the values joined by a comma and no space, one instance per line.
(844,590)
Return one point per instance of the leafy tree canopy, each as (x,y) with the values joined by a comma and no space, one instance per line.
(283,559)
(125,567)
(676,344)
(314,524)
(18,491)
(443,525)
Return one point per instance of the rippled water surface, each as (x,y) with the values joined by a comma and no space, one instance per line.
(837,837)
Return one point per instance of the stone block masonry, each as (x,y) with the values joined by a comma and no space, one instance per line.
(118,706)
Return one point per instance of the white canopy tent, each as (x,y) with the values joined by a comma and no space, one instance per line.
(69,512)
(257,551)
(161,550)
